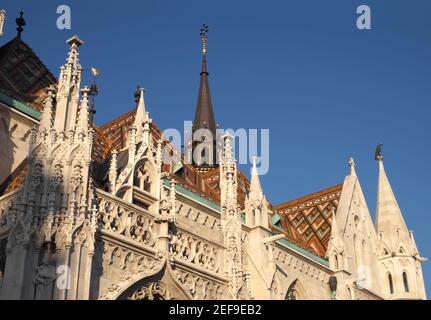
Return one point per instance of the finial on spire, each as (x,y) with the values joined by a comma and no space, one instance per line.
(204,39)
(20,23)
(352,165)
(379,156)
(75,41)
(228,151)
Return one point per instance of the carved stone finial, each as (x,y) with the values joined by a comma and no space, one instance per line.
(352,165)
(75,41)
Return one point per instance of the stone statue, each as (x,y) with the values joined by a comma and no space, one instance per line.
(2,19)
(44,280)
(379,155)
(333,283)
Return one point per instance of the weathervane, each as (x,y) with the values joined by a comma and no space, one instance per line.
(20,23)
(204,31)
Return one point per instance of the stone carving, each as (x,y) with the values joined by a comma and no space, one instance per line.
(153,291)
(201,288)
(45,276)
(231,222)
(128,223)
(133,267)
(187,248)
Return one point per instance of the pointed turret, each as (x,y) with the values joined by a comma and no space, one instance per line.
(82,125)
(69,84)
(335,251)
(204,116)
(46,120)
(389,219)
(142,115)
(256,206)
(398,254)
(255,187)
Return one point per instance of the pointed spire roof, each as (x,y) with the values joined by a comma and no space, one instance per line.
(141,114)
(204,116)
(389,219)
(46,120)
(82,124)
(255,187)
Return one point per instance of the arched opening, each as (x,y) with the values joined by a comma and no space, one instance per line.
(144,177)
(296,291)
(406,282)
(163,285)
(337,266)
(357,222)
(391,284)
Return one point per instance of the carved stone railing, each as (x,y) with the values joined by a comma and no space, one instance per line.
(125,220)
(197,251)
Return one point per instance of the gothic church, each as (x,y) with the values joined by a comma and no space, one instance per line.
(94,212)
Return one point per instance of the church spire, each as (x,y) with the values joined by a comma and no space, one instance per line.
(204,116)
(389,219)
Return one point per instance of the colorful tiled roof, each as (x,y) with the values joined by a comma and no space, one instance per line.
(311,217)
(23,76)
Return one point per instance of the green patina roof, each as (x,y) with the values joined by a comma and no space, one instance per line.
(180,189)
(20,107)
(276,220)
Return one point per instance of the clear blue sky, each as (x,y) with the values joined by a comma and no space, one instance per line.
(326,90)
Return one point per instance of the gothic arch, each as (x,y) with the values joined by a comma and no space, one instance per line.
(296,291)
(406,282)
(39,152)
(146,169)
(77,153)
(162,285)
